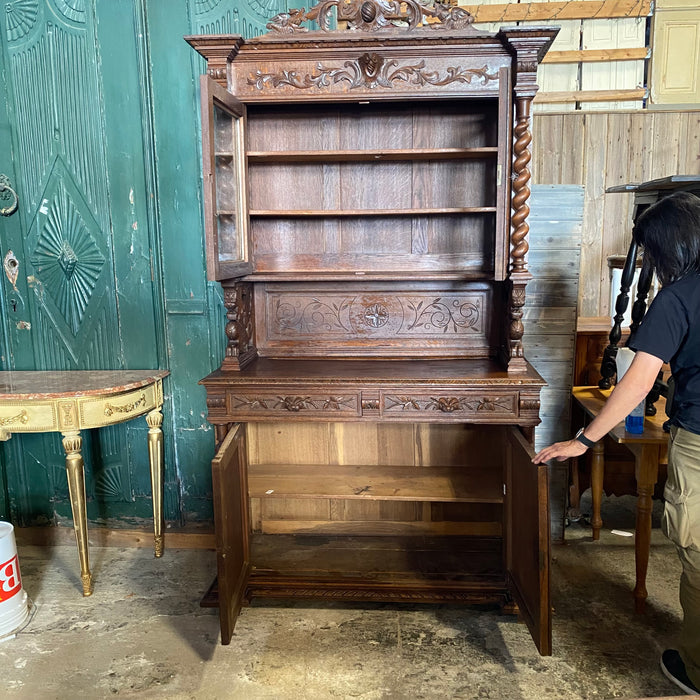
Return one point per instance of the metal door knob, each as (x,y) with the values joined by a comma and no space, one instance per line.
(7,192)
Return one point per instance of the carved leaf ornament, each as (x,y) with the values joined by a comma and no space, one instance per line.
(450,404)
(295,403)
(438,315)
(371,70)
(317,315)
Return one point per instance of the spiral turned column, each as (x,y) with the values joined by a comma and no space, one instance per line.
(519,273)
(521,189)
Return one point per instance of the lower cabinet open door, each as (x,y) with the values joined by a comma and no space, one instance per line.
(527,537)
(230,488)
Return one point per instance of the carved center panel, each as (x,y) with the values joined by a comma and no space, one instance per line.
(293,315)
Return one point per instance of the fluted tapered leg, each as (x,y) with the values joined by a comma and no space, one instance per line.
(155,457)
(75,470)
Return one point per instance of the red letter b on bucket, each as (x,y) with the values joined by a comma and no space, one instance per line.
(10,583)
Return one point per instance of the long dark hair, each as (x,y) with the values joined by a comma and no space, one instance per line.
(669,232)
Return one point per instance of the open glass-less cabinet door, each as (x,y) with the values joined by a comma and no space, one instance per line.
(527,538)
(225,206)
(231,520)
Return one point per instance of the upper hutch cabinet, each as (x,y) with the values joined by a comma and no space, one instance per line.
(366,196)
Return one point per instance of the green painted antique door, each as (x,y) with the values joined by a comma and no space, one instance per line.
(87,292)
(99,137)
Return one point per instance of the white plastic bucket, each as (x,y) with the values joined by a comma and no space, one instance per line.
(14,605)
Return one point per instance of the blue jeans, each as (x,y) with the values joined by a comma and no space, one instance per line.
(681,524)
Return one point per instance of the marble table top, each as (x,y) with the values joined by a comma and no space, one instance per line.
(58,384)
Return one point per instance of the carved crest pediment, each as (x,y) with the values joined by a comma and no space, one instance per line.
(373,15)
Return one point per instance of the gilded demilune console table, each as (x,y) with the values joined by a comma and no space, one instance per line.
(71,401)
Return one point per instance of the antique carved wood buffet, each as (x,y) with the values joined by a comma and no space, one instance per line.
(366,198)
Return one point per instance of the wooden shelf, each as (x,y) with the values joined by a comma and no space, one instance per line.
(337,213)
(471,373)
(370,155)
(382,528)
(394,483)
(465,266)
(387,559)
(370,275)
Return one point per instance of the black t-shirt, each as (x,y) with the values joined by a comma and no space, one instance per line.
(671,331)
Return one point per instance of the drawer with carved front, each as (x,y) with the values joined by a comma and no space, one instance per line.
(487,407)
(259,405)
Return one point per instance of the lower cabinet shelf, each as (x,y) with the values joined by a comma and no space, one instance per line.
(434,567)
(391,483)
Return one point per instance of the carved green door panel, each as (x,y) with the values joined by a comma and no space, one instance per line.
(86,295)
(195,316)
(100,135)
(245,17)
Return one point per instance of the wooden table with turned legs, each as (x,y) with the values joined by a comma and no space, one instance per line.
(649,450)
(71,401)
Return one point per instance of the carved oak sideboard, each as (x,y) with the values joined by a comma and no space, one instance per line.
(366,200)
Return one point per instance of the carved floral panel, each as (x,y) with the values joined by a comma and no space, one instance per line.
(283,403)
(487,405)
(379,315)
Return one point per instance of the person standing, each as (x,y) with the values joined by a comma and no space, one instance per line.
(669,233)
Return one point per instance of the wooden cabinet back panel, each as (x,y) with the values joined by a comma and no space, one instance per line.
(390,244)
(388,199)
(284,452)
(382,185)
(464,124)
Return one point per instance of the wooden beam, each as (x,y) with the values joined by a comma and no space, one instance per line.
(591,96)
(594,55)
(560,10)
(197,538)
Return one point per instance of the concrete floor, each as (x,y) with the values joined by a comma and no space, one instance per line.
(143,635)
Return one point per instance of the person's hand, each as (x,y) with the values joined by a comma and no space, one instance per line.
(560,451)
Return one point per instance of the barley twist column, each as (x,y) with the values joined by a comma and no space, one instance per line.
(521,189)
(529,47)
(519,273)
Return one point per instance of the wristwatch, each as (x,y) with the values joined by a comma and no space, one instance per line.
(583,439)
